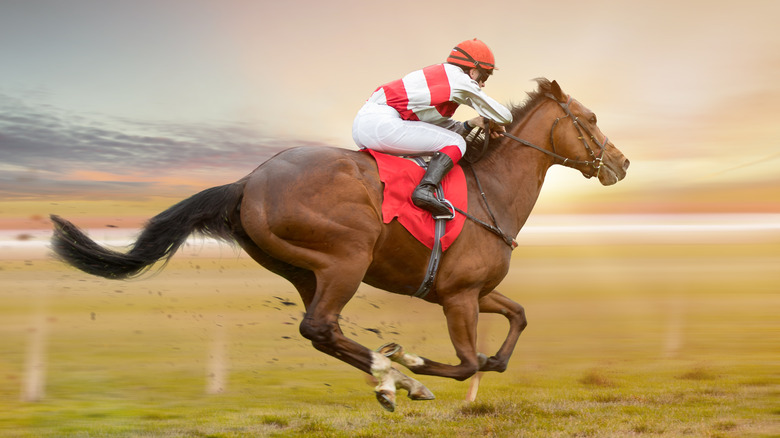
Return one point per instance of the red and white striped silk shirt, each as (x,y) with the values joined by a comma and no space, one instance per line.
(434,93)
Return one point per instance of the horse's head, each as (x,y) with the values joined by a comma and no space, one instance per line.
(576,138)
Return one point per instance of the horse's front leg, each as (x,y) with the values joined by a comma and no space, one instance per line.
(494,302)
(461,312)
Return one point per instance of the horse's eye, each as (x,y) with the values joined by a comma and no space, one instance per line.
(593,119)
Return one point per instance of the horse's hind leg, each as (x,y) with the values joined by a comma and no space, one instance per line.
(303,279)
(321,326)
(494,302)
(318,324)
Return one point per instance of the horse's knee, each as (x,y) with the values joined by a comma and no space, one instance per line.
(516,315)
(522,321)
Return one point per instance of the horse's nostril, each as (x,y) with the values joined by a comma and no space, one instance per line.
(626,164)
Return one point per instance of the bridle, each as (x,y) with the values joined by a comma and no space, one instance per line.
(594,163)
(584,133)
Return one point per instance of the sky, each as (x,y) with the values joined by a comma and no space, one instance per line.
(109,99)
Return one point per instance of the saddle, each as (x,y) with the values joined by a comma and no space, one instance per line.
(400,176)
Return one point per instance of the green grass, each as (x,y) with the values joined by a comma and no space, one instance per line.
(631,341)
(646,402)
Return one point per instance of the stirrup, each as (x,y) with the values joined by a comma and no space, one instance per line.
(449,206)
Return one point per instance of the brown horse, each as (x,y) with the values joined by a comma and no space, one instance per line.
(314,216)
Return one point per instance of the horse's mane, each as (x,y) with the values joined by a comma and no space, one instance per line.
(476,142)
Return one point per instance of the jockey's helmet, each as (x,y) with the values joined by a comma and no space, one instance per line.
(472,53)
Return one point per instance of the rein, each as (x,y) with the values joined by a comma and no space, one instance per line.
(495,229)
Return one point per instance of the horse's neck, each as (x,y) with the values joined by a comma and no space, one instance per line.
(513,174)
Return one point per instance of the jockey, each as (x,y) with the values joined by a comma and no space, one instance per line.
(411,115)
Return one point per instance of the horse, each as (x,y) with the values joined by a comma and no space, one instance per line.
(313,215)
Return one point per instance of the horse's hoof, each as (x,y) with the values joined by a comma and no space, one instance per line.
(421,393)
(386,399)
(391,350)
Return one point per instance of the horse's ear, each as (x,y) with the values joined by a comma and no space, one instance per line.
(557,92)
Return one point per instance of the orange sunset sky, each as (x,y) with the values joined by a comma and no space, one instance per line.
(127,100)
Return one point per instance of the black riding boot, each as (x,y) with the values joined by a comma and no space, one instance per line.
(423,196)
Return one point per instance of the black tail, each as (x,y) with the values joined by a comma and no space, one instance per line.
(212,212)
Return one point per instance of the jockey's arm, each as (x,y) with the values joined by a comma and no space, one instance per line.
(472,95)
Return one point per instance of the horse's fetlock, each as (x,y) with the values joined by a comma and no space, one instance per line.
(380,365)
(466,370)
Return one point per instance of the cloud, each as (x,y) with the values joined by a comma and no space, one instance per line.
(43,150)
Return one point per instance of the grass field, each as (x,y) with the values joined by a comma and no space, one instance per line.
(623,340)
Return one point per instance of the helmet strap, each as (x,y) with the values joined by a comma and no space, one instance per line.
(483,74)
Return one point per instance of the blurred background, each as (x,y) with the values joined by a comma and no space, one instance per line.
(162,98)
(112,111)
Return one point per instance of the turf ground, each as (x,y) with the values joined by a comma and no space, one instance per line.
(623,340)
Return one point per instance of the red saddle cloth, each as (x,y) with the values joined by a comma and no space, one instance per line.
(400,177)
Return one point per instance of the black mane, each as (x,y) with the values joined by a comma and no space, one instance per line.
(475,143)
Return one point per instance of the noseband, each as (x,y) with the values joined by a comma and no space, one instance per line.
(584,133)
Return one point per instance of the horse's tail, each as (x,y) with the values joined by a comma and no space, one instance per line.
(212,212)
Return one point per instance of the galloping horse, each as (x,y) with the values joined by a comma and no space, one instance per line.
(314,216)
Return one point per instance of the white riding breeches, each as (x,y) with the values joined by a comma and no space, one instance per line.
(380,128)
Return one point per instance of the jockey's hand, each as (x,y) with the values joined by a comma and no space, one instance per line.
(495,128)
